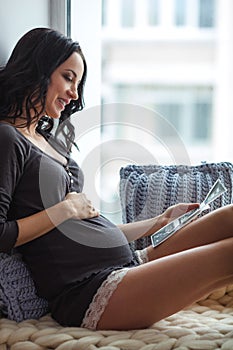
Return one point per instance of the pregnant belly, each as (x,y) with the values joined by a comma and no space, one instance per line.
(97,232)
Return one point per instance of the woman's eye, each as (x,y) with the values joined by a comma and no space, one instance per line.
(68,78)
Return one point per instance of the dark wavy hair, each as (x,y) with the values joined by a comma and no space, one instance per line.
(25,78)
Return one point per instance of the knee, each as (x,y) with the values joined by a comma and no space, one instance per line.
(226,215)
(228,209)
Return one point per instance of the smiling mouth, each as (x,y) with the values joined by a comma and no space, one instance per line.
(62,102)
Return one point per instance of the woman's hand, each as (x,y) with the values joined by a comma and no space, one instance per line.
(80,206)
(175,211)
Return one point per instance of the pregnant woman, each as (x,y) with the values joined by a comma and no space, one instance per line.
(80,261)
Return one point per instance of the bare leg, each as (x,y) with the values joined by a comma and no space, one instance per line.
(157,289)
(172,282)
(212,227)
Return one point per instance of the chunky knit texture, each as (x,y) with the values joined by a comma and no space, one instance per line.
(19,300)
(148,190)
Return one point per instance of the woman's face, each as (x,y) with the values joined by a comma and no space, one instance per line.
(63,86)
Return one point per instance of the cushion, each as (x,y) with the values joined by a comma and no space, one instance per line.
(18,298)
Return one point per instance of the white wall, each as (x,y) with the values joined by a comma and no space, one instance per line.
(16,18)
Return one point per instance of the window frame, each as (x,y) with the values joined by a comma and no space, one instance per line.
(60,15)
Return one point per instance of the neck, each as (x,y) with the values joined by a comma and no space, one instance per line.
(27,130)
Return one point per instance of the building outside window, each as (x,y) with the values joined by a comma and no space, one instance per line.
(127,13)
(153,13)
(206,13)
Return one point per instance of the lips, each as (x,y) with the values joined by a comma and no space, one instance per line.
(63,102)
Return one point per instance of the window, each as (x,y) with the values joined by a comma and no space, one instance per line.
(104,12)
(127,13)
(206,13)
(180,12)
(188,109)
(172,112)
(202,121)
(141,78)
(156,13)
(153,12)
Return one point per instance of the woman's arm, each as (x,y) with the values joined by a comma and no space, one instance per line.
(75,206)
(147,227)
(14,153)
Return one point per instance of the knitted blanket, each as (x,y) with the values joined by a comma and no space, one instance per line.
(207,325)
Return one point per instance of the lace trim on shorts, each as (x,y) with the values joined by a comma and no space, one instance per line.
(142,256)
(101,298)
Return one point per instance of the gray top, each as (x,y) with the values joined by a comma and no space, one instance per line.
(30,181)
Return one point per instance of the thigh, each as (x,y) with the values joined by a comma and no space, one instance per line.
(212,227)
(159,288)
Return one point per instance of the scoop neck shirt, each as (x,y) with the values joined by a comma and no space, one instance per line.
(31,181)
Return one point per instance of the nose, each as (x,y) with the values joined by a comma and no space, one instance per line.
(73,93)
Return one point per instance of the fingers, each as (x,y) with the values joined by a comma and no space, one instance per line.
(94,212)
(177,210)
(83,207)
(185,206)
(189,206)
